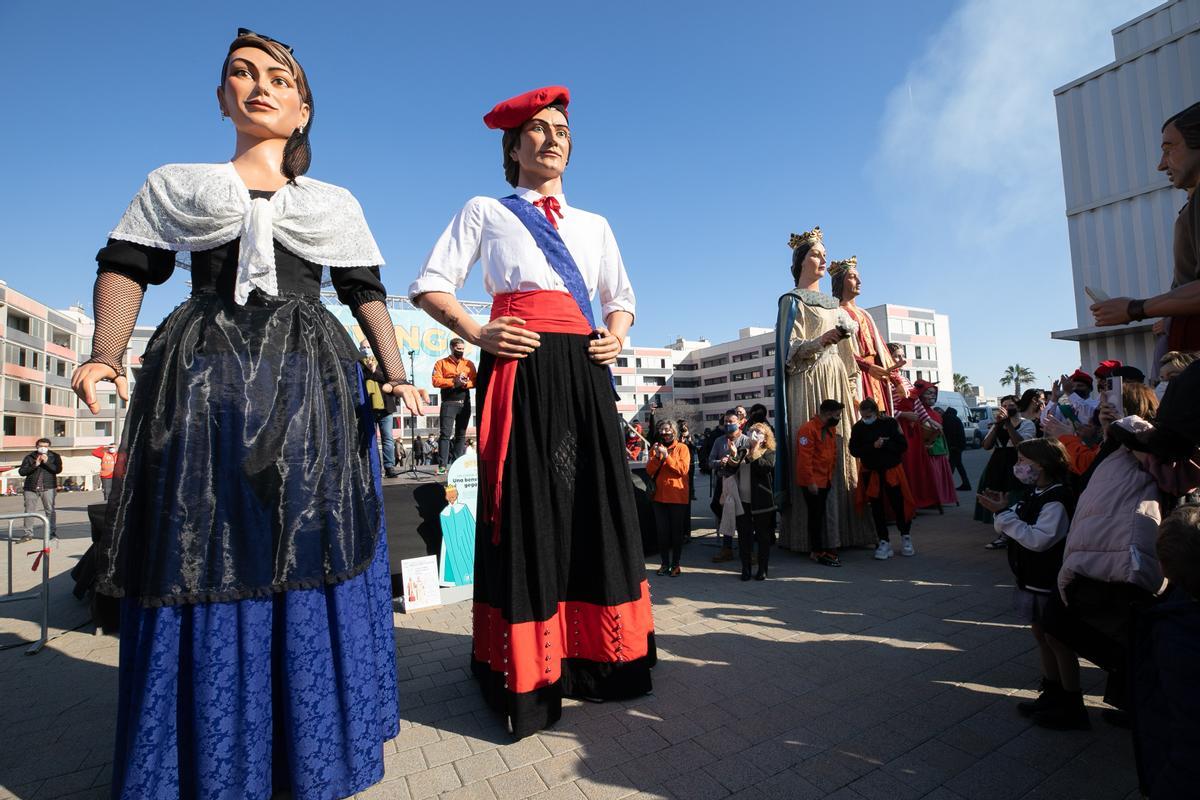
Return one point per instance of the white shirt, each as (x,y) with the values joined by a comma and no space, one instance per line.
(487,232)
(1050,528)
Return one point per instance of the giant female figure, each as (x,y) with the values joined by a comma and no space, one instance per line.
(245,530)
(814,361)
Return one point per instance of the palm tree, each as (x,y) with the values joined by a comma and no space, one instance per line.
(1017,375)
(962,383)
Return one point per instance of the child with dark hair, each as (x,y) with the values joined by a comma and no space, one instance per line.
(1166,660)
(1036,527)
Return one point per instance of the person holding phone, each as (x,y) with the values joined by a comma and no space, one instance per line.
(1009,428)
(670,464)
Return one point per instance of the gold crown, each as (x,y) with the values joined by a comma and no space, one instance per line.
(844,265)
(808,237)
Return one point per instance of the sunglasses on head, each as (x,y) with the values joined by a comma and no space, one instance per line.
(247,32)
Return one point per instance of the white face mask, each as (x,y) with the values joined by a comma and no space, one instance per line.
(43,450)
(112,448)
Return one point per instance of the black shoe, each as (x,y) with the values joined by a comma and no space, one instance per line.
(999,543)
(1066,713)
(745,573)
(663,570)
(761,575)
(1047,696)
(391,472)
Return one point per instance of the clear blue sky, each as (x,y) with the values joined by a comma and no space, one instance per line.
(705,136)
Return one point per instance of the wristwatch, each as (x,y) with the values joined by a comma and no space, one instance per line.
(1136,310)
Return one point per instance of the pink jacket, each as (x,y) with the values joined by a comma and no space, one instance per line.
(1115,527)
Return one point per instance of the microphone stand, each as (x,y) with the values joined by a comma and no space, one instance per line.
(412,439)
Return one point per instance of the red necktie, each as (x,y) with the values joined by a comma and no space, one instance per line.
(549,205)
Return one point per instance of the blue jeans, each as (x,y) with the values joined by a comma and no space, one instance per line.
(385,425)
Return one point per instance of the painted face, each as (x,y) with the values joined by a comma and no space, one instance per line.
(852,284)
(929,397)
(814,265)
(545,144)
(260,95)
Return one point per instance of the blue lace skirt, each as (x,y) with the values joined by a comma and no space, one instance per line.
(242,699)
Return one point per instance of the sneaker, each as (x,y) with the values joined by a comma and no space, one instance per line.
(906,546)
(999,543)
(883,551)
(829,559)
(441,470)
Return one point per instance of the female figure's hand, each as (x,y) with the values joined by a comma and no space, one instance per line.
(84,381)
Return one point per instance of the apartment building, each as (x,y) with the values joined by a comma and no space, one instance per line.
(642,377)
(924,336)
(716,377)
(41,347)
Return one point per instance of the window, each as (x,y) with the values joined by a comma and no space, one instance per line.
(770,372)
(746,375)
(622,361)
(917,351)
(685,383)
(616,380)
(919,376)
(60,337)
(768,351)
(656,380)
(637,363)
(58,397)
(687,366)
(104,428)
(716,397)
(58,428)
(18,321)
(745,357)
(716,380)
(712,417)
(688,401)
(719,361)
(22,426)
(769,391)
(930,352)
(662,363)
(754,395)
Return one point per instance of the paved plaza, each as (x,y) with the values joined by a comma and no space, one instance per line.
(889,680)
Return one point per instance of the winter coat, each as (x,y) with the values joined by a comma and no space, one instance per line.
(1115,527)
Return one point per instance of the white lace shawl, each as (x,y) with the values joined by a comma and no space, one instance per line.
(192,207)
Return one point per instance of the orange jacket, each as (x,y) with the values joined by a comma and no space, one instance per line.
(446,369)
(671,475)
(1079,455)
(816,454)
(107,461)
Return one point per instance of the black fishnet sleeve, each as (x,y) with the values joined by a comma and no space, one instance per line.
(116,300)
(377,324)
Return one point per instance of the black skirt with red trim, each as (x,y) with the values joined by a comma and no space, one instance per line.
(562,606)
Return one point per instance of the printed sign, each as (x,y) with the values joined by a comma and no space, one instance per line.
(419,577)
(458,522)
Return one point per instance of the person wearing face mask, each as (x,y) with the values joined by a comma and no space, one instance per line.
(817,449)
(108,459)
(670,464)
(1071,397)
(1170,365)
(455,376)
(1008,429)
(1036,527)
(383,407)
(40,469)
(723,459)
(756,525)
(878,444)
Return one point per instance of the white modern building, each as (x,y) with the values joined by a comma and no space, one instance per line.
(642,376)
(1120,210)
(716,377)
(924,335)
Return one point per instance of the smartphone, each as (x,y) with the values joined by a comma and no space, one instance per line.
(1096,295)
(1114,395)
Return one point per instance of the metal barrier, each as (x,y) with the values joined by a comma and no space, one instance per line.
(43,556)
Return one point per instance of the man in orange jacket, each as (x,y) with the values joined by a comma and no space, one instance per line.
(816,458)
(108,459)
(454,375)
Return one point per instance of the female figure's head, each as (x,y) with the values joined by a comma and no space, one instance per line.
(266,95)
(1041,462)
(808,258)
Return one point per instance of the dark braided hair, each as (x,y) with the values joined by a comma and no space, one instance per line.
(1187,122)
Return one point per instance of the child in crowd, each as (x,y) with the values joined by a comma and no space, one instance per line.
(1036,527)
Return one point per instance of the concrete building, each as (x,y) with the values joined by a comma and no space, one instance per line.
(925,336)
(715,377)
(1120,210)
(41,348)
(643,381)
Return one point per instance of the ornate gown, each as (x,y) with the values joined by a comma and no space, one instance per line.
(806,373)
(869,348)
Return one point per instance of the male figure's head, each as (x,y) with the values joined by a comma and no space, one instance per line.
(846,283)
(830,412)
(1181,149)
(458,348)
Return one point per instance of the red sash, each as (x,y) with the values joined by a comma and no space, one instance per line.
(544,311)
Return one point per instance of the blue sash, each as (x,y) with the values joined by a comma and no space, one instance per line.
(555,250)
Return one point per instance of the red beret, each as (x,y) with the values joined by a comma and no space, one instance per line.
(516,111)
(1080,375)
(1107,368)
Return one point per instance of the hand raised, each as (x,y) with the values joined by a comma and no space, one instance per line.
(84,381)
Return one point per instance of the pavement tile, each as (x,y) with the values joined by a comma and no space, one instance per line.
(433,781)
(517,784)
(480,766)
